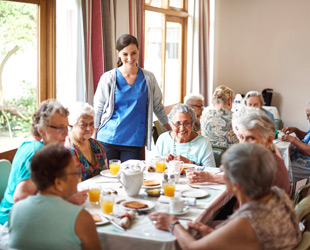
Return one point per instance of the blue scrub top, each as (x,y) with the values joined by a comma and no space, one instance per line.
(127,124)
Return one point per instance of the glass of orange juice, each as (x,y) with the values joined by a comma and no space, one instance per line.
(94,192)
(160,163)
(107,203)
(114,166)
(169,190)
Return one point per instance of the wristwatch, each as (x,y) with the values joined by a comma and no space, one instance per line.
(172,226)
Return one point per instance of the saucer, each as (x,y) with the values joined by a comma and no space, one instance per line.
(185,210)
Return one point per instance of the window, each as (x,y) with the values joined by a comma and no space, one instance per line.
(27,63)
(165,50)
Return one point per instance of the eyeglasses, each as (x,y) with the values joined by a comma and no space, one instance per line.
(78,172)
(197,106)
(185,124)
(58,129)
(85,125)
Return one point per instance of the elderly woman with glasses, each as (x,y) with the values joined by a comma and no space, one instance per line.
(49,124)
(195,101)
(254,126)
(86,151)
(47,220)
(266,218)
(182,143)
(216,123)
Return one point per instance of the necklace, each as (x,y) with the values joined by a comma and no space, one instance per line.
(188,149)
(92,161)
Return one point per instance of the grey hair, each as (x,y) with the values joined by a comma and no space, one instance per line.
(78,109)
(222,94)
(254,93)
(252,166)
(192,98)
(43,114)
(254,118)
(182,108)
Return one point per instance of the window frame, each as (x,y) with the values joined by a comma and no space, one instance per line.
(46,54)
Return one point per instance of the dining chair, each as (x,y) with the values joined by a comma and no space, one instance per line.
(302,193)
(5,169)
(158,129)
(217,153)
(303,212)
(305,242)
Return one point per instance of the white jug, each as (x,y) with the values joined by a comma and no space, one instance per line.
(174,167)
(131,178)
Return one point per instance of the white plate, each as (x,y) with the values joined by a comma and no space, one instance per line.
(149,203)
(106,173)
(104,221)
(194,193)
(205,185)
(185,210)
(151,187)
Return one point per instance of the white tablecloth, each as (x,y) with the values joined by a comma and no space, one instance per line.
(142,234)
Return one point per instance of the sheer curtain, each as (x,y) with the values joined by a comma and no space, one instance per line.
(198,64)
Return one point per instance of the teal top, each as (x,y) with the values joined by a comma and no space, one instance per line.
(44,222)
(198,150)
(20,171)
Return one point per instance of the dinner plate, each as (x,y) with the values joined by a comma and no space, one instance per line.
(106,173)
(206,185)
(148,203)
(103,221)
(194,193)
(151,187)
(185,210)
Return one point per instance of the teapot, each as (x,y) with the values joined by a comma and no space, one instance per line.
(131,178)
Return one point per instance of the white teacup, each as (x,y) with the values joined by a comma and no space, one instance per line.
(174,166)
(176,205)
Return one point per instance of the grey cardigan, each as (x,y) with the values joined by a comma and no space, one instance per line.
(104,102)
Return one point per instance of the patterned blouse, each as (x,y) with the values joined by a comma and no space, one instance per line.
(274,221)
(298,158)
(89,170)
(216,126)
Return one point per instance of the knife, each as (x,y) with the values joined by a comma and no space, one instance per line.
(114,223)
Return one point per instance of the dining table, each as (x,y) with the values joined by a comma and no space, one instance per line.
(205,201)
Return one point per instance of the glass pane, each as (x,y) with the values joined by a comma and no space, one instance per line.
(153,44)
(172,67)
(176,3)
(154,3)
(18,71)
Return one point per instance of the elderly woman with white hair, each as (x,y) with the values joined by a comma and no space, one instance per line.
(216,123)
(252,125)
(255,99)
(266,218)
(86,151)
(182,143)
(195,101)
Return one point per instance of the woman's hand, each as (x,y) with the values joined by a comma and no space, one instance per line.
(288,138)
(289,130)
(199,176)
(182,158)
(169,157)
(79,198)
(201,228)
(162,221)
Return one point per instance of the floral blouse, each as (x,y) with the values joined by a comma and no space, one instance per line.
(298,158)
(216,126)
(89,170)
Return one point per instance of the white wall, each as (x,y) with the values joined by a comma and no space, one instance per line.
(265,44)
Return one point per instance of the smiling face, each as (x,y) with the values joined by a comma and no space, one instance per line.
(129,55)
(254,102)
(84,127)
(184,131)
(56,129)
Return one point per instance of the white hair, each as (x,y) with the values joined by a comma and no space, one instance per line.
(191,98)
(77,110)
(254,93)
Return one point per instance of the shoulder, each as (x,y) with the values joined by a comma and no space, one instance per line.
(108,77)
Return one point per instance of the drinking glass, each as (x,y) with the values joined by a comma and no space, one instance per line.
(114,166)
(107,203)
(160,163)
(94,192)
(169,189)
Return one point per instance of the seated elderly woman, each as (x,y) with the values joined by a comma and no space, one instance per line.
(195,101)
(216,123)
(255,127)
(182,143)
(86,151)
(300,153)
(255,99)
(47,220)
(266,218)
(49,124)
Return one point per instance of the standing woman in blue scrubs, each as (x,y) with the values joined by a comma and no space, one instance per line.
(124,102)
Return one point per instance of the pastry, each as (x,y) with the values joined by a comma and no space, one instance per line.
(96,217)
(150,183)
(135,205)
